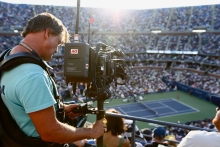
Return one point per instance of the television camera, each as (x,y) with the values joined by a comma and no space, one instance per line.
(99,67)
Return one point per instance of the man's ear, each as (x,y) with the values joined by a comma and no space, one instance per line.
(47,33)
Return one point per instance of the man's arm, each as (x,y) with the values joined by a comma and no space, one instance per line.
(186,141)
(51,130)
(216,120)
(199,138)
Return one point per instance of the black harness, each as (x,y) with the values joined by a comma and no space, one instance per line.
(10,133)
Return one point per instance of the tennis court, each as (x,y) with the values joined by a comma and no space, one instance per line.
(155,109)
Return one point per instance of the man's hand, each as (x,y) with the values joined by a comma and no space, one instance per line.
(98,129)
(216,120)
(68,110)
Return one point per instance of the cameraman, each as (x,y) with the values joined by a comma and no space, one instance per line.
(28,90)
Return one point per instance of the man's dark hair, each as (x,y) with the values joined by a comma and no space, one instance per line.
(44,21)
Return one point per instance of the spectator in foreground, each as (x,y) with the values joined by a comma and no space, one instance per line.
(203,138)
(147,135)
(171,141)
(158,135)
(115,128)
(113,136)
(128,133)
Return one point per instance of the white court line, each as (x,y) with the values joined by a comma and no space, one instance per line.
(172,99)
(161,107)
(143,115)
(124,106)
(186,110)
(120,105)
(157,101)
(168,114)
(185,105)
(168,107)
(148,116)
(175,114)
(164,106)
(153,107)
(144,109)
(137,110)
(135,104)
(172,112)
(121,110)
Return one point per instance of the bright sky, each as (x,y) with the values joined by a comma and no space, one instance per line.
(125,4)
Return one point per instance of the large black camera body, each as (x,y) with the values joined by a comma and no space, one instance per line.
(97,66)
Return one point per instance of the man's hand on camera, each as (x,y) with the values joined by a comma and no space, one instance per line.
(97,129)
(216,120)
(68,110)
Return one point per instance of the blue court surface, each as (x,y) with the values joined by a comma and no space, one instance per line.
(154,109)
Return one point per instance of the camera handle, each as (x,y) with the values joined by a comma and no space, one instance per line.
(100,114)
(83,109)
(89,111)
(100,104)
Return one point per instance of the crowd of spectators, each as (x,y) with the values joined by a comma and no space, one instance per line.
(140,81)
(180,133)
(216,17)
(202,16)
(180,19)
(173,135)
(172,19)
(134,45)
(140,44)
(201,80)
(210,44)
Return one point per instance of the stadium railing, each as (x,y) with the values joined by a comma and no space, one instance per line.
(155,122)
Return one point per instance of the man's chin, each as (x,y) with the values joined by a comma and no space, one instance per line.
(48,59)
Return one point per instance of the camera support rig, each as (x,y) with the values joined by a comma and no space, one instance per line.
(98,67)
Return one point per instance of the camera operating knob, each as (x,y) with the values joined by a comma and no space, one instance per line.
(104,121)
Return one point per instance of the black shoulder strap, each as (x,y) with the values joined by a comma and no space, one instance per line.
(13,134)
(25,57)
(10,130)
(19,58)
